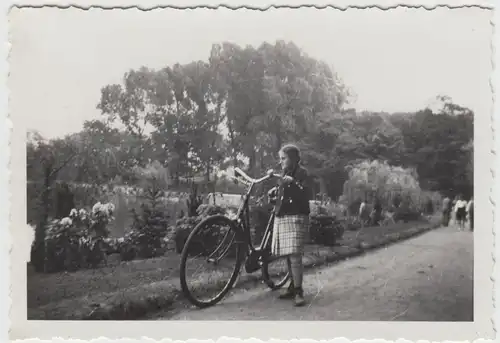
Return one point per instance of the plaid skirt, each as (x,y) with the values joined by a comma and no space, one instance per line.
(289,235)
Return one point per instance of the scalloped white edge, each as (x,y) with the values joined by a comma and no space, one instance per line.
(223,331)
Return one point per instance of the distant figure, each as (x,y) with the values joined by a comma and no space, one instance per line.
(361,214)
(453,207)
(446,211)
(470,213)
(460,211)
(377,212)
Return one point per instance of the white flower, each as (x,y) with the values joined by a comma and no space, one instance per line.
(97,208)
(109,208)
(73,213)
(66,221)
(121,240)
(82,213)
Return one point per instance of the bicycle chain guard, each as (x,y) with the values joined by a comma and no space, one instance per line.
(252,262)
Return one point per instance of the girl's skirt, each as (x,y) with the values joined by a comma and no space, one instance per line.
(289,235)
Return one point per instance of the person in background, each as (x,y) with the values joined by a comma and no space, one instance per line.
(460,211)
(446,211)
(377,212)
(470,213)
(453,213)
(361,214)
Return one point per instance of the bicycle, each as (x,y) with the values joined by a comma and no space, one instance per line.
(236,245)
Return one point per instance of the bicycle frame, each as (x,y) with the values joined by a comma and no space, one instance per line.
(243,214)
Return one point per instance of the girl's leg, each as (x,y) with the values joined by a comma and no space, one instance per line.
(297,269)
(297,275)
(290,291)
(290,270)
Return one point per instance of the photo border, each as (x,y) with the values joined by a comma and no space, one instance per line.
(485,183)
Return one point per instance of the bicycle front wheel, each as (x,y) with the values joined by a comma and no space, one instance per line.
(210,261)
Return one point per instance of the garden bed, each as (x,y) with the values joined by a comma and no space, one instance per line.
(129,290)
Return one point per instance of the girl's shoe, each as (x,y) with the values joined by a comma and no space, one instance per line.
(289,293)
(299,297)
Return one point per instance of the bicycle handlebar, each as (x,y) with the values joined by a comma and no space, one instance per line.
(252,180)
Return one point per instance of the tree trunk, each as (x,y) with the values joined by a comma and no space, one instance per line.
(279,137)
(232,144)
(252,162)
(38,249)
(207,172)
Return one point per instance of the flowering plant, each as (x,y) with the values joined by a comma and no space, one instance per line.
(76,241)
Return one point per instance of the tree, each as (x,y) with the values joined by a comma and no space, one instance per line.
(375,180)
(434,142)
(45,159)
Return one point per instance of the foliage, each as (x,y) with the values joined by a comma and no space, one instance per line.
(372,181)
(238,107)
(184,226)
(150,223)
(179,126)
(194,201)
(77,241)
(325,229)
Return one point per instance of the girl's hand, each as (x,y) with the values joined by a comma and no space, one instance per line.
(287,179)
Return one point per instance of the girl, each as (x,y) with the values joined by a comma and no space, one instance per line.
(292,219)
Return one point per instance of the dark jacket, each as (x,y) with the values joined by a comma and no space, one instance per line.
(295,195)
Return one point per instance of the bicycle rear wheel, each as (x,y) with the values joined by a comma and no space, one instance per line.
(275,272)
(208,253)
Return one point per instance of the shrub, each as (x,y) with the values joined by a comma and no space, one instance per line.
(183,228)
(325,229)
(149,227)
(151,220)
(406,214)
(372,180)
(206,210)
(185,225)
(77,241)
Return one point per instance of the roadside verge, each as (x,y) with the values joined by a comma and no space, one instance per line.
(143,299)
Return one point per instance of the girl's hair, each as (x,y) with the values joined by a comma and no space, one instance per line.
(292,151)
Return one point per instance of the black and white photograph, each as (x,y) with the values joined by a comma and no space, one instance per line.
(292,164)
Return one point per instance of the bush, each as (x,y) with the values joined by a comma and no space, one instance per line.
(146,239)
(206,210)
(353,224)
(77,241)
(406,214)
(203,244)
(325,230)
(184,226)
(149,227)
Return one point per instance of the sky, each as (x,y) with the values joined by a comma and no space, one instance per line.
(394,60)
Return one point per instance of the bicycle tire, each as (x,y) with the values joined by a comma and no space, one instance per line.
(219,219)
(265,271)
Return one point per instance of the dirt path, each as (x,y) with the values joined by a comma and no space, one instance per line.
(428,278)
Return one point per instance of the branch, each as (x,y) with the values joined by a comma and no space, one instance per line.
(55,171)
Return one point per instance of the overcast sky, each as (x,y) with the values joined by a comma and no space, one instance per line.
(396,60)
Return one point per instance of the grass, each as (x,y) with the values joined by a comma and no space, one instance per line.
(130,289)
